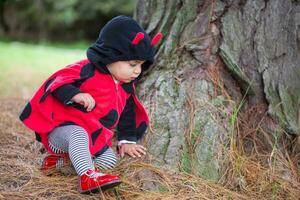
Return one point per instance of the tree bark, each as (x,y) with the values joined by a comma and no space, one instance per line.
(214,54)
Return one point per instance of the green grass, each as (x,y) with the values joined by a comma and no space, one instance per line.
(81,44)
(25,66)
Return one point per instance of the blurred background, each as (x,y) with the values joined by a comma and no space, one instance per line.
(38,37)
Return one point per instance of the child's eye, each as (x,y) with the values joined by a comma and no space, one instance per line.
(132,65)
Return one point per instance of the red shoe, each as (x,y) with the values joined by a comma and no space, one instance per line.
(53,162)
(91,182)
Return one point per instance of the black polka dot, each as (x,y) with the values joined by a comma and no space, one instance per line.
(110,119)
(38,137)
(48,83)
(95,135)
(87,71)
(26,112)
(43,98)
(141,130)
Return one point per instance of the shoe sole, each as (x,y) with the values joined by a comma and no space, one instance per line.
(102,187)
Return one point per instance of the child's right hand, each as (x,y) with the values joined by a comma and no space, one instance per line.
(132,150)
(84,99)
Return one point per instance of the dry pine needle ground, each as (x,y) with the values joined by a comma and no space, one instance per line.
(20,177)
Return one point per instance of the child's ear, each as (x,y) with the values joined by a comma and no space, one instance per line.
(156,38)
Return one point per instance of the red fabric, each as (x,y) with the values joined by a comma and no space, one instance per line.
(156,38)
(138,37)
(50,113)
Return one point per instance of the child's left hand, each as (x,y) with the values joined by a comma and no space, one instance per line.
(133,150)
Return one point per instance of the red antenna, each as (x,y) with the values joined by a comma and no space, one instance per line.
(156,38)
(138,37)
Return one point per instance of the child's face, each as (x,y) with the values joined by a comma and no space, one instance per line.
(125,71)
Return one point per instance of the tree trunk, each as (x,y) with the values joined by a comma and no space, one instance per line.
(3,23)
(42,25)
(214,54)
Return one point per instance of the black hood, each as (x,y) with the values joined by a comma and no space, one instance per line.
(116,43)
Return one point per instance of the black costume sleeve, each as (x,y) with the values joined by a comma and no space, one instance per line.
(127,126)
(65,93)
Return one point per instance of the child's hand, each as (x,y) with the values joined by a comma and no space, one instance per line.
(84,99)
(132,150)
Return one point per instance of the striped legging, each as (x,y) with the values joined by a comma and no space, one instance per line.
(74,140)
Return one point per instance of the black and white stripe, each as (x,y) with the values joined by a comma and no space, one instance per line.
(55,149)
(74,140)
(107,160)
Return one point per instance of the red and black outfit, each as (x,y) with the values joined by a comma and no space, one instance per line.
(117,105)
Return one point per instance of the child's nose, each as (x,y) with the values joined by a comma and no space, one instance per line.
(138,69)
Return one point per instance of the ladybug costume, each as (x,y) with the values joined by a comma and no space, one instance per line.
(117,106)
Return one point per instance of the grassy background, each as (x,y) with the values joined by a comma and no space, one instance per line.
(25,66)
